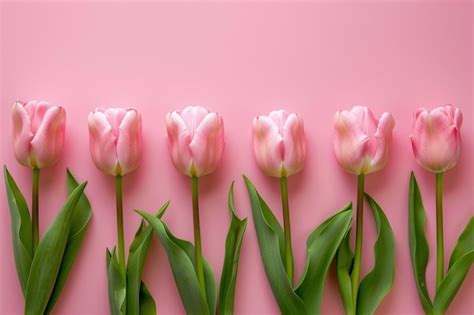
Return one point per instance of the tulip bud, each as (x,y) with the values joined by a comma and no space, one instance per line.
(115,137)
(362,143)
(38,133)
(436,138)
(195,140)
(279,143)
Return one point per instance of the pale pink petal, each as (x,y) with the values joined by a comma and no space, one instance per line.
(129,143)
(268,146)
(458,118)
(207,144)
(294,144)
(350,142)
(22,134)
(192,117)
(48,142)
(279,117)
(179,139)
(383,137)
(102,143)
(115,117)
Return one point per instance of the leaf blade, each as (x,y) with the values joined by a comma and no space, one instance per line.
(344,264)
(464,244)
(378,282)
(116,284)
(231,261)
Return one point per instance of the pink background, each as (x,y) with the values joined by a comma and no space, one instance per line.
(241,59)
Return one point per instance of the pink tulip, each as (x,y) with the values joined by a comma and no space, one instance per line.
(115,136)
(279,143)
(436,138)
(362,143)
(195,140)
(38,133)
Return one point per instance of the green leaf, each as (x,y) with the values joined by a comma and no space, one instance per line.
(116,284)
(80,220)
(322,246)
(147,305)
(21,229)
(452,282)
(181,257)
(344,264)
(464,244)
(419,250)
(136,259)
(48,257)
(379,280)
(271,251)
(233,245)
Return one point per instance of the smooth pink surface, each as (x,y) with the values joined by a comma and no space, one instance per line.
(240,59)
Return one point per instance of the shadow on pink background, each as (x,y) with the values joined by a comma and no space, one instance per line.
(241,59)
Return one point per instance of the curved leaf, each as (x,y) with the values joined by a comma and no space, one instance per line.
(231,261)
(180,255)
(48,257)
(379,280)
(464,244)
(344,264)
(322,246)
(116,284)
(270,251)
(21,229)
(80,220)
(419,250)
(452,282)
(136,259)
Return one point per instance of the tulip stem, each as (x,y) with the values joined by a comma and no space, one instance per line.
(439,230)
(197,236)
(358,246)
(287,228)
(35,208)
(120,238)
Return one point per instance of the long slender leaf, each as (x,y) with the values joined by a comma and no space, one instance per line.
(47,260)
(80,220)
(21,229)
(322,246)
(116,284)
(136,259)
(231,262)
(379,280)
(419,250)
(344,264)
(182,267)
(269,242)
(464,244)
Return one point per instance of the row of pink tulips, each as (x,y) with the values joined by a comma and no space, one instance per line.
(196,139)
(362,145)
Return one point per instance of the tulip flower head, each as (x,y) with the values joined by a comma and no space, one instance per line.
(436,138)
(38,133)
(362,143)
(279,143)
(115,137)
(195,140)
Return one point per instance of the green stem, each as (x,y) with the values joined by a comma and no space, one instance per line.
(197,236)
(359,233)
(120,238)
(439,230)
(287,228)
(35,208)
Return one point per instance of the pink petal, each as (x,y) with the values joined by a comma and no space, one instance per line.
(179,139)
(102,143)
(22,134)
(268,146)
(115,117)
(207,144)
(383,137)
(129,143)
(193,116)
(48,142)
(294,144)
